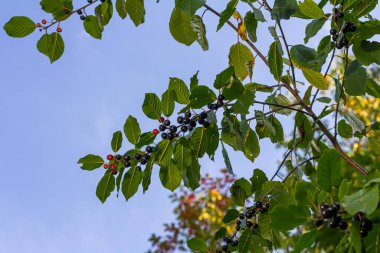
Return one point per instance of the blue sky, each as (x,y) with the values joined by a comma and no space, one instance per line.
(54,114)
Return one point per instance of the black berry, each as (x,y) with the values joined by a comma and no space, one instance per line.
(173,129)
(167,122)
(343,225)
(238,222)
(143,161)
(162,128)
(221,97)
(318,223)
(335,37)
(193,123)
(149,149)
(210,106)
(170,136)
(366,225)
(333,31)
(164,135)
(234,243)
(258,204)
(147,157)
(186,121)
(249,224)
(184,129)
(82,17)
(180,119)
(127,164)
(138,156)
(188,114)
(339,14)
(203,115)
(352,28)
(206,124)
(118,157)
(79,12)
(201,121)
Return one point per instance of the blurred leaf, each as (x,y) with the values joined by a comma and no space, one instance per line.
(328,172)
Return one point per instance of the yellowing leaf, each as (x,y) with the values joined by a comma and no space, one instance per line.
(242,31)
(238,57)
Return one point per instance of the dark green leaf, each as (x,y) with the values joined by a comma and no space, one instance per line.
(106,186)
(233,90)
(240,191)
(132,130)
(365,200)
(91,162)
(251,26)
(152,106)
(251,143)
(249,243)
(131,182)
(304,57)
(292,214)
(189,6)
(201,96)
(310,9)
(242,105)
(257,180)
(220,233)
(180,89)
(19,27)
(167,102)
(231,215)
(363,8)
(104,12)
(305,241)
(227,160)
(306,193)
(344,129)
(283,9)
(328,172)
(227,13)
(165,152)
(373,88)
(196,244)
(146,139)
(367,52)
(313,27)
(147,174)
(356,77)
(51,6)
(120,8)
(224,77)
(275,61)
(170,176)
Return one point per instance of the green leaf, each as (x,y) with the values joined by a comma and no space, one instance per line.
(120,8)
(194,80)
(152,106)
(201,96)
(233,90)
(231,215)
(117,140)
(292,214)
(344,129)
(315,78)
(165,152)
(365,200)
(136,11)
(147,174)
(231,132)
(313,27)
(305,241)
(167,102)
(264,127)
(356,238)
(131,182)
(52,46)
(198,141)
(223,77)
(19,27)
(91,162)
(373,88)
(238,57)
(119,178)
(196,244)
(181,28)
(227,13)
(192,175)
(257,180)
(249,243)
(374,143)
(310,9)
(356,123)
(180,89)
(92,27)
(227,160)
(258,15)
(242,105)
(328,172)
(170,176)
(275,61)
(220,233)
(367,52)
(212,134)
(51,6)
(132,130)
(182,154)
(306,193)
(106,186)
(250,23)
(326,100)
(356,77)
(304,57)
(283,9)
(240,191)
(344,188)
(200,29)
(189,6)
(251,143)
(279,100)
(363,8)
(104,12)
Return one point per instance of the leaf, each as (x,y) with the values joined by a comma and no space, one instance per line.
(313,27)
(170,176)
(344,188)
(275,61)
(356,77)
(194,80)
(240,191)
(198,141)
(310,9)
(182,154)
(304,57)
(292,214)
(52,46)
(200,29)
(180,89)
(367,52)
(91,162)
(223,77)
(220,233)
(227,13)
(119,178)
(131,182)
(279,100)
(325,100)
(249,243)
(201,96)
(356,238)
(106,186)
(257,180)
(258,15)
(315,78)
(145,139)
(192,176)
(238,57)
(283,9)
(344,129)
(305,241)
(51,6)
(147,174)
(251,143)
(165,152)
(92,27)
(242,105)
(227,160)
(152,106)
(328,172)
(104,12)
(363,8)
(19,27)
(117,140)
(365,200)
(181,28)
(120,8)
(196,244)
(251,25)
(373,88)
(189,6)
(264,127)
(136,11)
(374,143)
(231,215)
(306,193)
(132,130)
(356,123)
(233,90)
(167,102)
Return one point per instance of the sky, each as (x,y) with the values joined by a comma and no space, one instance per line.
(53,114)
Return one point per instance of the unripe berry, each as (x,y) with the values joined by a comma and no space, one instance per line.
(44,21)
(105,166)
(109,157)
(112,166)
(38,25)
(59,29)
(114,172)
(155,131)
(162,119)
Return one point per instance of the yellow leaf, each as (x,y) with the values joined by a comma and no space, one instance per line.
(242,31)
(237,15)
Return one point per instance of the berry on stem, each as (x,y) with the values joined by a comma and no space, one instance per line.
(38,25)
(109,157)
(155,131)
(44,21)
(112,166)
(105,166)
(59,29)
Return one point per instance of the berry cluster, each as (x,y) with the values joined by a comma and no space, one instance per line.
(141,157)
(246,220)
(44,22)
(218,104)
(365,224)
(330,213)
(348,27)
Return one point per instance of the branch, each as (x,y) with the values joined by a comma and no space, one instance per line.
(283,106)
(299,165)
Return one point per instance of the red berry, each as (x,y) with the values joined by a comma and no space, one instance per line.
(114,172)
(162,119)
(38,25)
(59,29)
(105,166)
(109,157)
(155,131)
(44,21)
(113,166)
